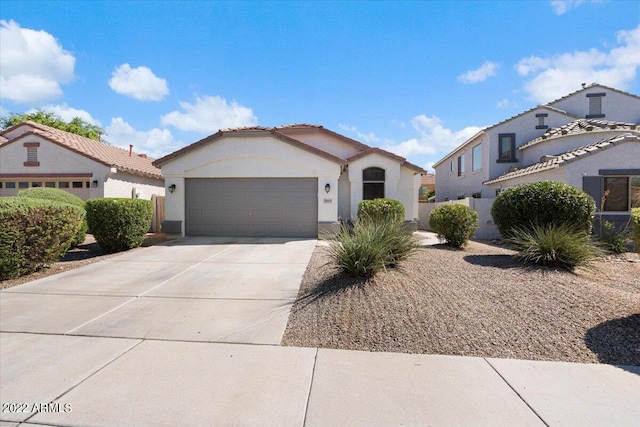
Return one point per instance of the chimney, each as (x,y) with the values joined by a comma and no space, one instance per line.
(130,150)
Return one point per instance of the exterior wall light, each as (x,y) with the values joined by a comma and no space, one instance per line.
(172,188)
(327,187)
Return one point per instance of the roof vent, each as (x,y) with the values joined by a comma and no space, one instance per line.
(547,158)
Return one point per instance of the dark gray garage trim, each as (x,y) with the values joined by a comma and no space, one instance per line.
(251,207)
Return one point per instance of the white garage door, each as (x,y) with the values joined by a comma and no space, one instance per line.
(252,207)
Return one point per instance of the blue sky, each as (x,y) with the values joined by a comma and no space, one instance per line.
(416,78)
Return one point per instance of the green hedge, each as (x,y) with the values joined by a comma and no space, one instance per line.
(454,223)
(119,224)
(635,219)
(57,195)
(34,233)
(542,203)
(381,210)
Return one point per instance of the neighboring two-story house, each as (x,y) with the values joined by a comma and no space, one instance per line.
(589,139)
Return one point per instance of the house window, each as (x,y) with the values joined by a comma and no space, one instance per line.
(63,184)
(477,195)
(10,185)
(451,166)
(476,158)
(23,184)
(50,184)
(541,118)
(507,148)
(77,184)
(595,105)
(461,165)
(373,183)
(624,193)
(36,184)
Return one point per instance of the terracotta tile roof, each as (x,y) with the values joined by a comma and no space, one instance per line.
(282,133)
(109,155)
(582,126)
(552,162)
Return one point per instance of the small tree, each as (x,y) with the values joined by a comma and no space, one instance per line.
(76,125)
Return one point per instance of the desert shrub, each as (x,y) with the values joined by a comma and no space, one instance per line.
(454,223)
(542,203)
(611,238)
(119,224)
(381,210)
(635,220)
(57,195)
(370,246)
(554,245)
(34,233)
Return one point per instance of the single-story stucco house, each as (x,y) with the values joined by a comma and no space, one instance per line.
(35,155)
(290,181)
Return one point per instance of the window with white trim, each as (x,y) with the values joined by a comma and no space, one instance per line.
(373,183)
(476,158)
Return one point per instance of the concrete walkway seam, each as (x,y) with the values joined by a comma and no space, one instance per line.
(518,394)
(313,374)
(86,378)
(148,290)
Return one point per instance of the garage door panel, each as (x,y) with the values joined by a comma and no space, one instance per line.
(285,207)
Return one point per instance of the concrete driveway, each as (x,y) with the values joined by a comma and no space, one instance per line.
(192,289)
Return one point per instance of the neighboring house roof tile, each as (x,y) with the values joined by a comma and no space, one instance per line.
(552,162)
(581,126)
(109,155)
(282,133)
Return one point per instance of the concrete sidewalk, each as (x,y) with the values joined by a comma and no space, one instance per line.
(95,381)
(187,334)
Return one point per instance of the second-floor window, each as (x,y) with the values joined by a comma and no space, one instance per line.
(476,158)
(595,105)
(507,147)
(461,164)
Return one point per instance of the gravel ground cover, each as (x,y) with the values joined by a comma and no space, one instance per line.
(86,253)
(475,302)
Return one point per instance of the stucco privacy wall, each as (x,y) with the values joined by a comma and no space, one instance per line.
(237,156)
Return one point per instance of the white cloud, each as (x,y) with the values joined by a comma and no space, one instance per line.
(154,142)
(503,103)
(67,113)
(33,64)
(368,138)
(560,7)
(139,83)
(486,70)
(558,75)
(210,114)
(432,138)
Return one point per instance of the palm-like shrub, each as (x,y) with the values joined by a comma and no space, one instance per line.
(454,223)
(553,245)
(370,246)
(542,203)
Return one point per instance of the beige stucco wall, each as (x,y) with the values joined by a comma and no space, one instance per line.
(322,141)
(252,157)
(615,106)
